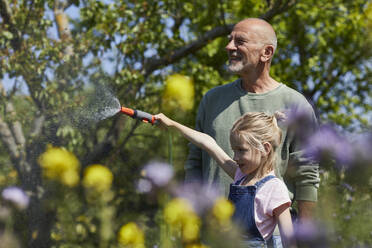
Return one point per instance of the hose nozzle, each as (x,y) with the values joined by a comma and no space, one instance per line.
(138,114)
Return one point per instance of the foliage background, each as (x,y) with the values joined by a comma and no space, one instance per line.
(51,51)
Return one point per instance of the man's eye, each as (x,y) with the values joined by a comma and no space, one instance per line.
(239,41)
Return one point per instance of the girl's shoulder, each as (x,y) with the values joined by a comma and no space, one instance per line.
(271,195)
(274,187)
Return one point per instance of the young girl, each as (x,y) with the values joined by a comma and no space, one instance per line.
(261,200)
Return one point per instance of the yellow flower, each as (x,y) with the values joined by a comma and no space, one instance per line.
(223,209)
(97,177)
(60,164)
(178,93)
(197,246)
(131,234)
(176,211)
(191,227)
(179,214)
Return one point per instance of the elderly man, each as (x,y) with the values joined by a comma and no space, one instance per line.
(250,49)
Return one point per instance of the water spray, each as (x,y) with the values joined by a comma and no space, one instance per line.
(138,114)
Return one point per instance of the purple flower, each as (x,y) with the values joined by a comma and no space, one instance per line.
(16,196)
(311,234)
(158,173)
(348,187)
(326,142)
(294,115)
(299,120)
(363,147)
(201,197)
(144,185)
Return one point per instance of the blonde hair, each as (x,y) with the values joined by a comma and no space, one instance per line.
(257,128)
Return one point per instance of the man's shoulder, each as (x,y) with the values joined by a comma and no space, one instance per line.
(290,92)
(292,96)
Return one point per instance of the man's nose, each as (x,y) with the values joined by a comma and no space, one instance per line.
(230,45)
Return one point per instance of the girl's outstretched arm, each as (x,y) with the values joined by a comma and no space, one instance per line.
(203,141)
(283,217)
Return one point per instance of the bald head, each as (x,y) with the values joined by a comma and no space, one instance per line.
(261,28)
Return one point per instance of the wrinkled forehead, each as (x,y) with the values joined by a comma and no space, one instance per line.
(252,30)
(246,33)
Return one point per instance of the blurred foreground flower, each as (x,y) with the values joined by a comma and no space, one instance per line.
(178,93)
(158,173)
(144,186)
(201,197)
(363,147)
(97,177)
(360,171)
(311,234)
(176,210)
(179,214)
(197,246)
(223,210)
(8,240)
(131,234)
(326,142)
(299,121)
(61,165)
(16,196)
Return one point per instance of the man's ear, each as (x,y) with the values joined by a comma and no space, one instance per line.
(268,52)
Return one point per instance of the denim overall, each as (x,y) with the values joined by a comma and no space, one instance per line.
(243,199)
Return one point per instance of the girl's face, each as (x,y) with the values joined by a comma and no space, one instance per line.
(247,157)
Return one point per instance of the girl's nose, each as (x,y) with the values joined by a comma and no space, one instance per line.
(235,157)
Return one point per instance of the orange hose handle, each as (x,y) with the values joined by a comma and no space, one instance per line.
(138,114)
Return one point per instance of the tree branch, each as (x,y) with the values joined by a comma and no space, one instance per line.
(103,149)
(62,25)
(37,125)
(277,8)
(6,13)
(16,127)
(8,140)
(155,63)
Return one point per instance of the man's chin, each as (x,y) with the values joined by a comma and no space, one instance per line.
(237,68)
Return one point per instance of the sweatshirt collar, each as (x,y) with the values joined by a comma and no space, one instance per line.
(238,84)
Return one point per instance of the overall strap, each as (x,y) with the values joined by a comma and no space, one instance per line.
(263,180)
(240,180)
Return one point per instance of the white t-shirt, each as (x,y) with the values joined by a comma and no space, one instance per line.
(270,196)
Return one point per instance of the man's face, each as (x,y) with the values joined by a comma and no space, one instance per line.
(243,49)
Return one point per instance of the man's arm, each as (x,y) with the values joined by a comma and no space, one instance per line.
(305,210)
(307,170)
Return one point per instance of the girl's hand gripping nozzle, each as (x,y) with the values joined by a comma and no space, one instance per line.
(138,114)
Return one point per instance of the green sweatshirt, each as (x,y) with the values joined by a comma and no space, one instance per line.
(222,106)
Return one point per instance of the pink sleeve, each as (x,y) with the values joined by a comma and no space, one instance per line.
(270,196)
(279,197)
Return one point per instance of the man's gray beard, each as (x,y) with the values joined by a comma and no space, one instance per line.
(236,68)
